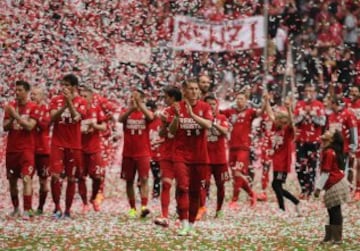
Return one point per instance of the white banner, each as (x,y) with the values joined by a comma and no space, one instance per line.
(131,53)
(199,35)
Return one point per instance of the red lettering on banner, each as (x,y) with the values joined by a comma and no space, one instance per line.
(214,39)
(184,33)
(253,41)
(233,33)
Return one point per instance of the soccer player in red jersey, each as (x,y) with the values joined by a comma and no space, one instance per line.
(66,112)
(241,118)
(91,126)
(167,171)
(282,137)
(310,120)
(218,157)
(344,120)
(20,120)
(189,120)
(136,154)
(355,108)
(42,145)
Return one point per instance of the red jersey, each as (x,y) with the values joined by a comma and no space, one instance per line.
(241,127)
(329,165)
(90,139)
(282,140)
(355,108)
(42,131)
(155,127)
(190,143)
(217,142)
(309,125)
(66,132)
(136,136)
(166,146)
(343,121)
(20,139)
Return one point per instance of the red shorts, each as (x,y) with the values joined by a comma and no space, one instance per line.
(19,164)
(66,160)
(42,162)
(93,165)
(239,161)
(131,165)
(167,169)
(220,172)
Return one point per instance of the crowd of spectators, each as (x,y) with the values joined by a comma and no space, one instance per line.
(40,40)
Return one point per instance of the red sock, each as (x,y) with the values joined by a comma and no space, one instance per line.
(70,192)
(183,203)
(245,185)
(95,188)
(132,203)
(358,186)
(220,196)
(56,185)
(194,199)
(27,202)
(236,188)
(165,199)
(15,201)
(83,190)
(42,199)
(144,201)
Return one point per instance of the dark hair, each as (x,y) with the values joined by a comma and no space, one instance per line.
(151,104)
(337,101)
(190,80)
(71,79)
(337,145)
(210,96)
(24,84)
(174,92)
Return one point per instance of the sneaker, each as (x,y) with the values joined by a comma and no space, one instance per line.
(99,198)
(132,213)
(184,231)
(357,196)
(219,214)
(234,205)
(304,196)
(67,216)
(57,215)
(144,212)
(262,196)
(27,215)
(39,212)
(162,221)
(96,206)
(16,213)
(85,209)
(201,212)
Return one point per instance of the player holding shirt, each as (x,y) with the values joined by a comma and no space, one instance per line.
(20,120)
(66,112)
(167,171)
(42,145)
(91,126)
(136,154)
(218,157)
(189,120)
(241,118)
